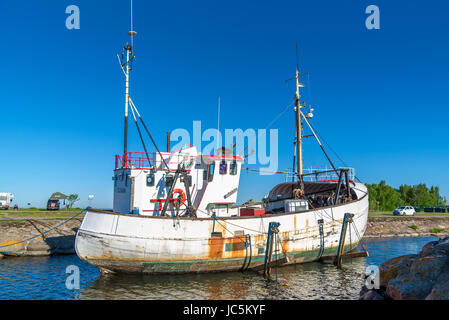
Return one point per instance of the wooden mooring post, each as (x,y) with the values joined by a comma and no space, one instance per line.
(272,231)
(346,221)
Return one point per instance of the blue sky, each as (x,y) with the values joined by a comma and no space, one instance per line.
(380,96)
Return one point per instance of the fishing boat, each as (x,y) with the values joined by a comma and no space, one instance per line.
(176,212)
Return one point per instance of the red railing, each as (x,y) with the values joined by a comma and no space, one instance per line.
(142,160)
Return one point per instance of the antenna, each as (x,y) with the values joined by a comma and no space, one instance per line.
(126,71)
(297,56)
(132,33)
(218,122)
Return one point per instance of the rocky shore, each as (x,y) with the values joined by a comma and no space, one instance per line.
(414,277)
(406,227)
(60,240)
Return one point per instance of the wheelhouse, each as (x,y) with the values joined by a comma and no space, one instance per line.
(142,182)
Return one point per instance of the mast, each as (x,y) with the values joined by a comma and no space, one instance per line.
(129,59)
(125,139)
(298,132)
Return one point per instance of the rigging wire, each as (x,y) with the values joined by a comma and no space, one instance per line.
(280,114)
(333,151)
(140,135)
(149,134)
(276,118)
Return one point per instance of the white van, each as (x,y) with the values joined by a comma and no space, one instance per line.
(5,200)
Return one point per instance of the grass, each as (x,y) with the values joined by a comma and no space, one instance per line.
(22,221)
(414,227)
(436,230)
(33,209)
(41,213)
(389,214)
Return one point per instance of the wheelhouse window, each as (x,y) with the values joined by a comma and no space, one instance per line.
(189,180)
(150,180)
(223,167)
(233,168)
(211,170)
(169,178)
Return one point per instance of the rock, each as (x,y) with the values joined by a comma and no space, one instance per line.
(408,289)
(390,269)
(440,290)
(363,290)
(12,247)
(429,267)
(428,248)
(421,276)
(37,246)
(418,280)
(371,295)
(441,248)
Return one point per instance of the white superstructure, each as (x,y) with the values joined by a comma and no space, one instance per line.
(142,185)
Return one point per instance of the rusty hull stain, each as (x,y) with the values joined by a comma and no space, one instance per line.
(217,247)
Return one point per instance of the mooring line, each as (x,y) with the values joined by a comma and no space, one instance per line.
(39,235)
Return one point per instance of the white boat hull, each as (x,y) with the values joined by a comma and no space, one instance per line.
(145,244)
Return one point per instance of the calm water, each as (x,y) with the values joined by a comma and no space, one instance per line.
(45,278)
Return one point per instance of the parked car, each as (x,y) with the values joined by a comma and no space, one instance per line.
(404,211)
(5,200)
(53,204)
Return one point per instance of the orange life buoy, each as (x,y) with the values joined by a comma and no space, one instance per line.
(175,199)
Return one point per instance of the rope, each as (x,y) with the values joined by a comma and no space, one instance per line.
(359,238)
(280,114)
(275,119)
(140,135)
(350,237)
(148,132)
(236,225)
(41,234)
(257,231)
(336,154)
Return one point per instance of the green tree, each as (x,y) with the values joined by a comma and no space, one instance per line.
(71,200)
(390,198)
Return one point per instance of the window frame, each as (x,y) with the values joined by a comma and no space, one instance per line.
(211,174)
(154,182)
(233,168)
(223,164)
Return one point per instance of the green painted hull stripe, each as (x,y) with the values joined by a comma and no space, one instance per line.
(309,256)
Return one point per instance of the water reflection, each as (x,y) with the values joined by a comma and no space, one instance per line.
(44,278)
(308,281)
